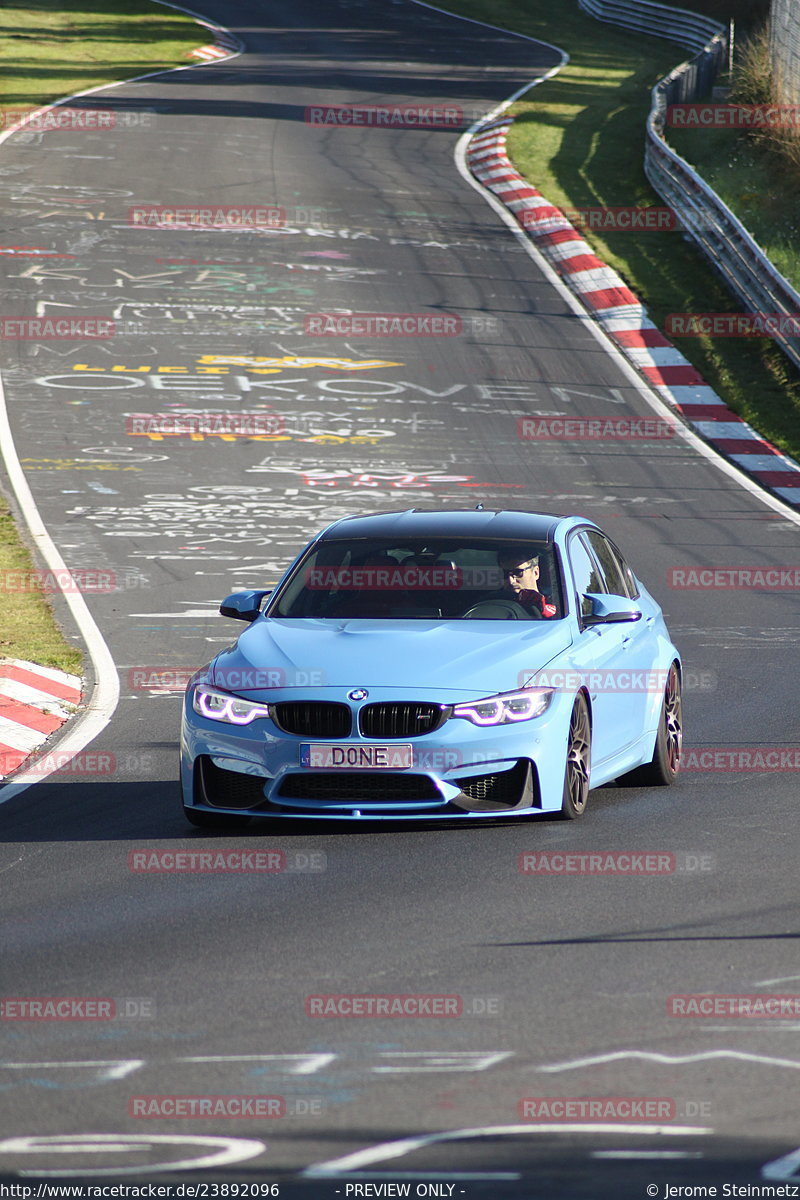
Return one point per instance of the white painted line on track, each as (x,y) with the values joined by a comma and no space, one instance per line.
(225,1151)
(512,33)
(190,612)
(646,1154)
(309,1063)
(113,1068)
(783,1168)
(105,695)
(399,1149)
(596,1060)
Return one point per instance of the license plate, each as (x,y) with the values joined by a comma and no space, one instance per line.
(356,758)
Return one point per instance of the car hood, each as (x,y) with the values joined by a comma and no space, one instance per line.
(481,657)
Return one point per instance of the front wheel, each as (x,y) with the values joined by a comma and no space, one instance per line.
(579,757)
(662,770)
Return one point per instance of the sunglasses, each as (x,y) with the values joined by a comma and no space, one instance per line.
(518,572)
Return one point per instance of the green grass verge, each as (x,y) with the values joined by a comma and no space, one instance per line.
(756,174)
(755,185)
(579,137)
(28,629)
(48,51)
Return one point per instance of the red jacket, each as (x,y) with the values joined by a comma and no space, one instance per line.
(530,599)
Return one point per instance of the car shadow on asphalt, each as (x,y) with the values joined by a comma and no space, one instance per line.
(60,809)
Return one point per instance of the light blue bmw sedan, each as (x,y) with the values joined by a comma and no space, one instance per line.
(431,664)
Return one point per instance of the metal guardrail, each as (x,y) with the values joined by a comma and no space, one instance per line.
(721,236)
(645,16)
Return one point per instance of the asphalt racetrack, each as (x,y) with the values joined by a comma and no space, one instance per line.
(563,979)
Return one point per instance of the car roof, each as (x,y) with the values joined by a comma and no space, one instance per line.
(507,525)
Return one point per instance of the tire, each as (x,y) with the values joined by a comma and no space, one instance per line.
(662,770)
(579,756)
(209,820)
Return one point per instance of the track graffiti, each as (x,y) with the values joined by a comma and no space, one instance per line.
(207,519)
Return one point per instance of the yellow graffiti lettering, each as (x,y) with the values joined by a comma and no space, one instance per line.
(265,365)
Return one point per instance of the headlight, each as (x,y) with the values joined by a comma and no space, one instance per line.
(219,706)
(512,706)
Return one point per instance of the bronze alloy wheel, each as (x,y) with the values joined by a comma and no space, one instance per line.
(662,770)
(673,721)
(579,757)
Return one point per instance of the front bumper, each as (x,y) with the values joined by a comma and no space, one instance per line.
(459,770)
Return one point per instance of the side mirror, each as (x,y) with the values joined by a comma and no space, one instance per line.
(243,606)
(608,610)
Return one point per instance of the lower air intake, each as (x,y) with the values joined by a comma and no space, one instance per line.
(359,787)
(504,788)
(229,789)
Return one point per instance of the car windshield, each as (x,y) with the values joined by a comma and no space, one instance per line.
(440,579)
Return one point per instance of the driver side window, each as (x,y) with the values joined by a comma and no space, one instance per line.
(585,573)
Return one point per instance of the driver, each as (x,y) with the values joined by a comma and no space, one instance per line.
(520,576)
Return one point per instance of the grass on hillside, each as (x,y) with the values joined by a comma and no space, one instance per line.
(755,185)
(579,137)
(49,49)
(757,173)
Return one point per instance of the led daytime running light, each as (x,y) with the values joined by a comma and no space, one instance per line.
(502,710)
(219,706)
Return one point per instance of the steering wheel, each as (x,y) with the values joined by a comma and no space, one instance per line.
(499,610)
